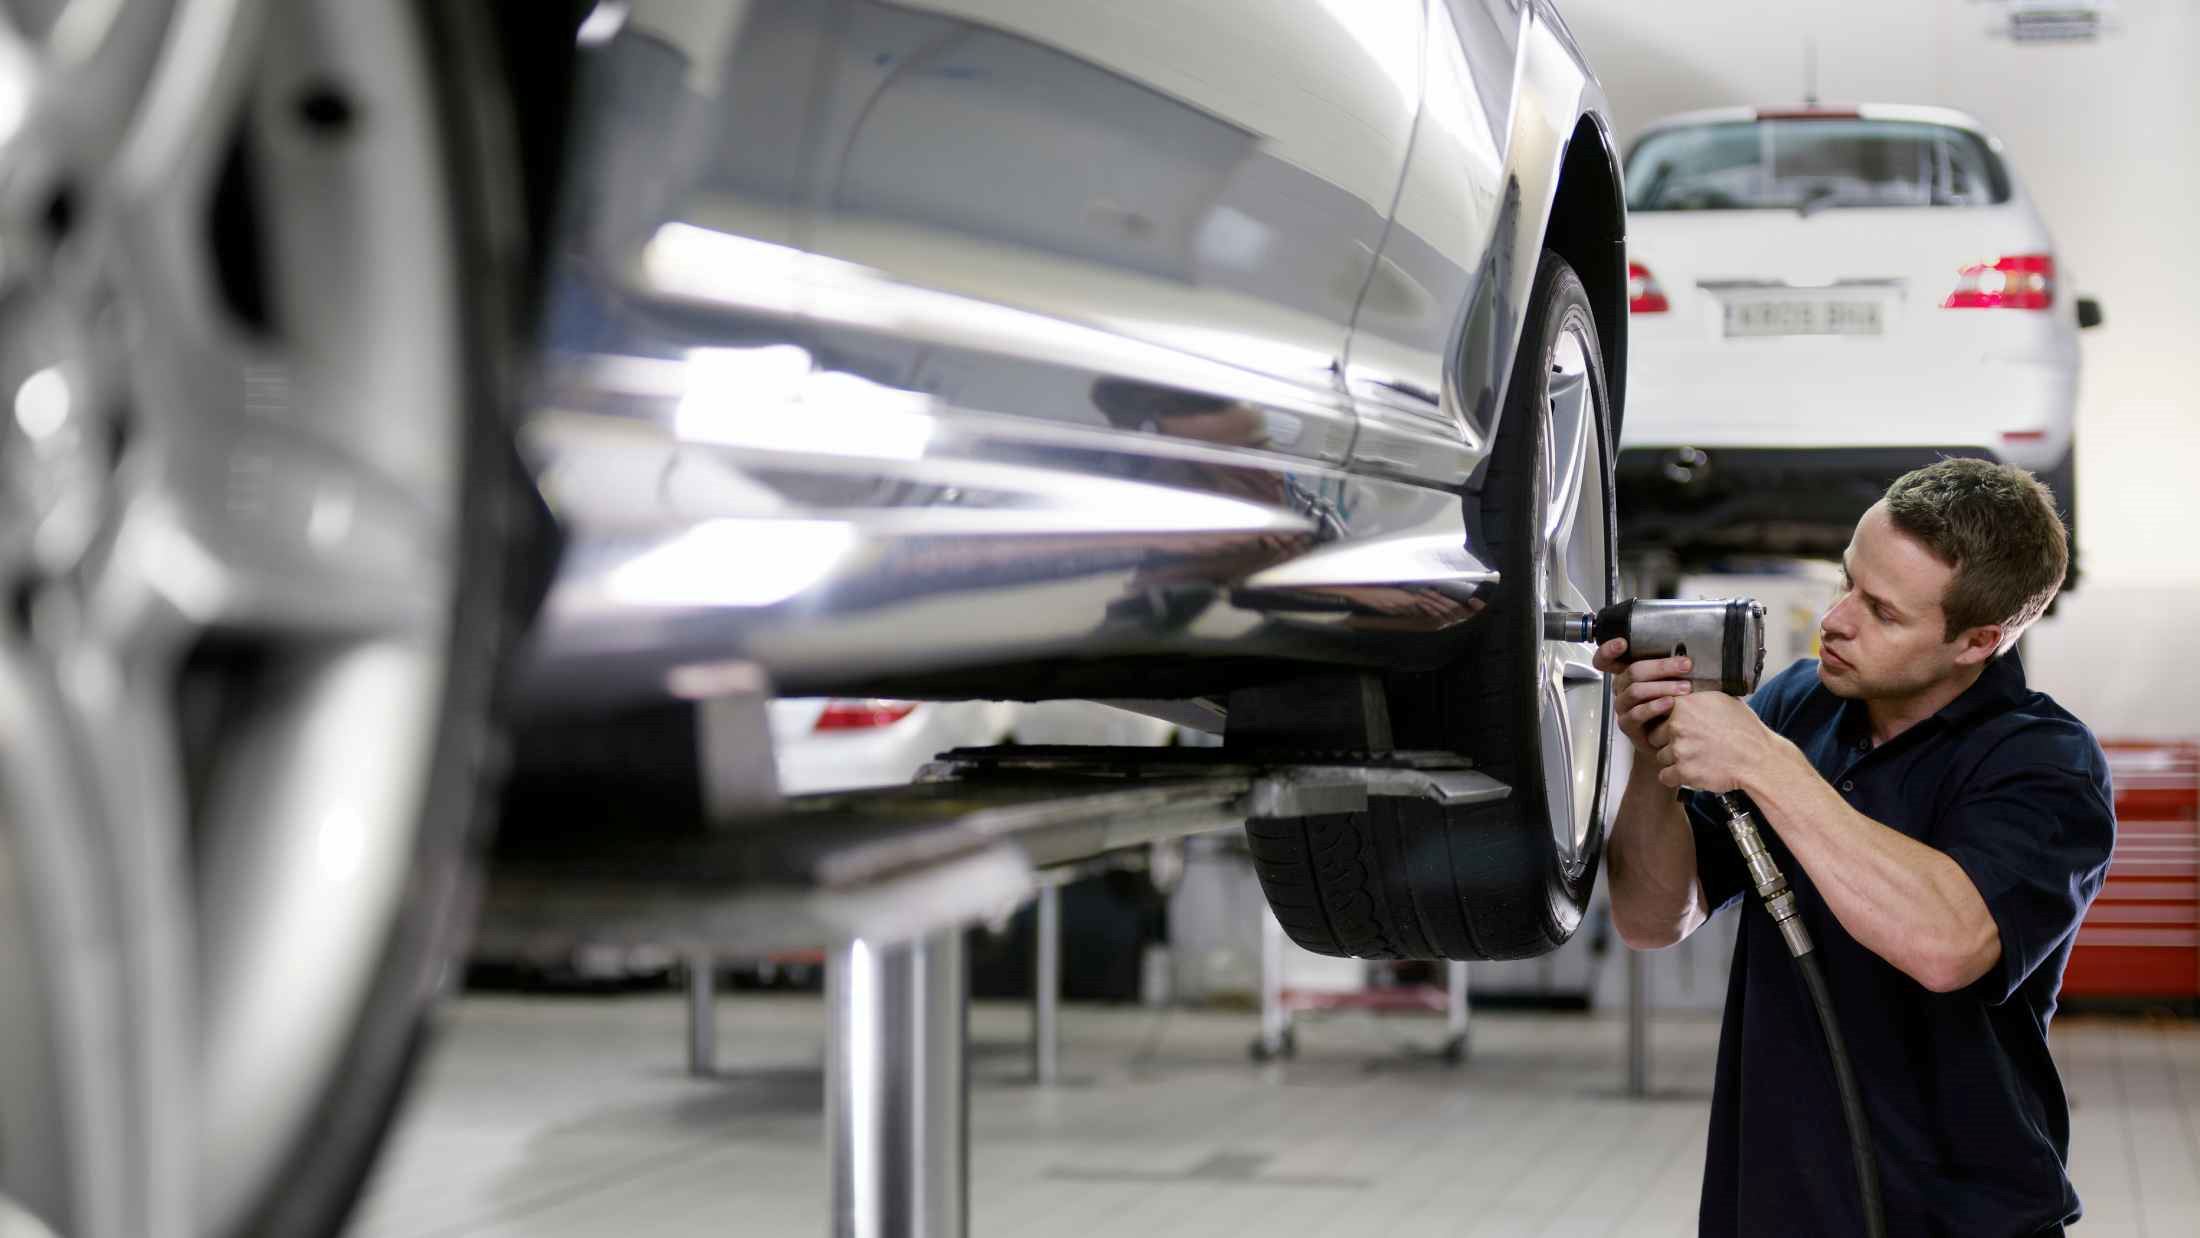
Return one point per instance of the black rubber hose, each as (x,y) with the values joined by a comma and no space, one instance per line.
(1852,1100)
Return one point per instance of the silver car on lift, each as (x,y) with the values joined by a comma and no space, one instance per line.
(1256,359)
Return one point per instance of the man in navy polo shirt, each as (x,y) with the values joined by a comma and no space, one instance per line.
(1944,828)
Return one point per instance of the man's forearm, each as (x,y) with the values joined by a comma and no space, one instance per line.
(1650,864)
(1908,903)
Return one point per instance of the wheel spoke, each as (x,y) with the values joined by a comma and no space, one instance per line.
(1570,413)
(296,473)
(274,532)
(179,133)
(126,731)
(1564,593)
(1589,707)
(1576,666)
(311,828)
(1558,762)
(108,731)
(60,966)
(78,83)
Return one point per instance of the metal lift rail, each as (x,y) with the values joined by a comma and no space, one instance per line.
(886,880)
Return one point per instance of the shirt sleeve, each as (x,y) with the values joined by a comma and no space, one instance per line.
(2034,835)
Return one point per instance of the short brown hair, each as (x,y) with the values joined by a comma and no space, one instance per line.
(1995,524)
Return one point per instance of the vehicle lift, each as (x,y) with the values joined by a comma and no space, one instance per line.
(887,880)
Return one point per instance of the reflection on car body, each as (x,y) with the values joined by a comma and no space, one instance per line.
(961,327)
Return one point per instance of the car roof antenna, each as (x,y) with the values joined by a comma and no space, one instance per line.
(1810,70)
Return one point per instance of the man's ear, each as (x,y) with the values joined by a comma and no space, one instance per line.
(1979,644)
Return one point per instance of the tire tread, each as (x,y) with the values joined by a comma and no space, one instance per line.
(1413,879)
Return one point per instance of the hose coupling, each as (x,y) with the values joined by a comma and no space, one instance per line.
(1771,884)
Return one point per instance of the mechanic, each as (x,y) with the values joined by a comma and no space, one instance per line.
(1945,828)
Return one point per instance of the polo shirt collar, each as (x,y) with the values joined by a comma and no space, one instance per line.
(1998,687)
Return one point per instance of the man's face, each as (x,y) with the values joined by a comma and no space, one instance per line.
(1882,638)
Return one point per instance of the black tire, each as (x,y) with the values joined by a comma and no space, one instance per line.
(1412,879)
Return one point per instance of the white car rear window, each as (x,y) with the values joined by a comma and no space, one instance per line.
(1812,164)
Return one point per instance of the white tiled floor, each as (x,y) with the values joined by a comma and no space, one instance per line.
(551,1117)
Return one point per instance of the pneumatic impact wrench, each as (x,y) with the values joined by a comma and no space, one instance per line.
(1725,643)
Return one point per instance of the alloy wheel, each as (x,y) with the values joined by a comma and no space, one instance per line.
(1574,555)
(229,511)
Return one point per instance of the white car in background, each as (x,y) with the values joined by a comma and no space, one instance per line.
(839,743)
(1822,299)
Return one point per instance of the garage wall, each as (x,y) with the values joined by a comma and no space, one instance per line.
(2107,136)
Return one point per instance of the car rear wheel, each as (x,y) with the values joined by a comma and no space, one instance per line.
(1412,879)
(257,503)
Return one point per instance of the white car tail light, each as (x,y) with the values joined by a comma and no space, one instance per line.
(2021,281)
(862,714)
(1643,294)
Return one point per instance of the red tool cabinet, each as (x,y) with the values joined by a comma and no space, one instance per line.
(2142,937)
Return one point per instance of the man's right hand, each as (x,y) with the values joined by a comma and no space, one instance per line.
(1642,692)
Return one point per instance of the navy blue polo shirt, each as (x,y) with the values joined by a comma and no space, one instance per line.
(1967,1112)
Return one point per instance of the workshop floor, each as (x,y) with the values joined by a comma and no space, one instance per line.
(574,1116)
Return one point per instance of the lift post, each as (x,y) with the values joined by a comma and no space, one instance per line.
(887,880)
(1046,988)
(897,1096)
(702,977)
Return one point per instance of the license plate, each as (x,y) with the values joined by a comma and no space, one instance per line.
(1804,317)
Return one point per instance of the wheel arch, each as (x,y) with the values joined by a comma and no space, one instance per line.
(1587,228)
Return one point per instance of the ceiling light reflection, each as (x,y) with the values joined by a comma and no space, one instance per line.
(733,563)
(769,399)
(724,269)
(42,403)
(1390,34)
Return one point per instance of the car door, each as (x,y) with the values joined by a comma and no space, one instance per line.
(1414,319)
(1161,181)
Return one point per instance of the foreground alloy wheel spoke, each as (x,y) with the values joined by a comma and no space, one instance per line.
(108,722)
(272,533)
(127,731)
(287,475)
(79,75)
(59,963)
(310,836)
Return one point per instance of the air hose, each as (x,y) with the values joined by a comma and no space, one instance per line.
(1779,901)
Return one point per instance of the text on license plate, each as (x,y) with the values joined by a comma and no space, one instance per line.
(1804,317)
